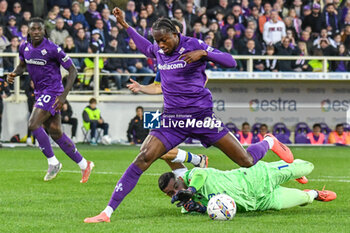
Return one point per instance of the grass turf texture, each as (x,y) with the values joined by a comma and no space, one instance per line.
(28,204)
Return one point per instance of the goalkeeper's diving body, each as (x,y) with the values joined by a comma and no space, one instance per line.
(254,188)
(182,61)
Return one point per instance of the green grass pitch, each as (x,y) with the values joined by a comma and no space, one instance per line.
(28,204)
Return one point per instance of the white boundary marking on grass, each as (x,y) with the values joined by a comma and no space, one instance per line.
(341,179)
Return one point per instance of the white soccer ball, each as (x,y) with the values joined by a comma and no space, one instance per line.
(221,207)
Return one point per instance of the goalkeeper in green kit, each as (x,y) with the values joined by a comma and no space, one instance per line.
(254,188)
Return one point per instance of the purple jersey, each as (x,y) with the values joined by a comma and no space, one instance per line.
(182,83)
(43,65)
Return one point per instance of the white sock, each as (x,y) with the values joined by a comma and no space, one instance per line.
(314,193)
(83,164)
(180,172)
(269,141)
(180,157)
(196,159)
(109,211)
(53,161)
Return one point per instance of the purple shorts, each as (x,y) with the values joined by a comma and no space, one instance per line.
(172,134)
(45,101)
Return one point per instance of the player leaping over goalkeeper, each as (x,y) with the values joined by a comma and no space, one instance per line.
(254,188)
(182,61)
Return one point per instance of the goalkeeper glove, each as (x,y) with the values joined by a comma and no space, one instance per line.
(183,196)
(194,206)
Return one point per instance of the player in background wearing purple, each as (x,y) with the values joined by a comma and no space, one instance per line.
(42,58)
(182,61)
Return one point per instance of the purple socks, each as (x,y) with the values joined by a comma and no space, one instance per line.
(44,142)
(67,145)
(125,185)
(258,150)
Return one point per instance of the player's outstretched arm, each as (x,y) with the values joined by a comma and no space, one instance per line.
(72,74)
(151,89)
(142,44)
(19,70)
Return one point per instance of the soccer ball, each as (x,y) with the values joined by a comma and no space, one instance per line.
(221,207)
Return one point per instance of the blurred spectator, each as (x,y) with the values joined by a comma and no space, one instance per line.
(316,137)
(23,34)
(143,30)
(297,7)
(245,136)
(68,20)
(159,9)
(107,22)
(250,50)
(324,36)
(314,20)
(238,15)
(346,37)
(77,16)
(302,64)
(222,7)
(345,22)
(286,49)
(339,136)
(326,48)
(92,14)
(345,11)
(306,12)
(69,47)
(58,34)
(197,31)
(12,29)
(92,119)
(230,34)
(337,40)
(178,15)
(4,42)
(331,19)
(138,65)
(50,22)
(265,17)
(305,37)
(83,8)
(296,21)
(228,48)
(151,15)
(136,132)
(100,5)
(270,64)
(4,13)
(205,23)
(215,29)
(263,130)
(81,42)
(341,66)
(274,30)
(66,118)
(26,17)
(103,33)
(114,34)
(242,42)
(316,64)
(190,15)
(12,48)
(116,65)
(131,14)
(16,11)
(96,40)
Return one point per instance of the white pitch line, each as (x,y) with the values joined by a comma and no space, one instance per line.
(333,178)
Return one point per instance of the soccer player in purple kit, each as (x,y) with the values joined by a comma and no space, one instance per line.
(43,58)
(182,61)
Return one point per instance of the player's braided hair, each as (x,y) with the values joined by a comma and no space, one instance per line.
(164,24)
(164,179)
(36,20)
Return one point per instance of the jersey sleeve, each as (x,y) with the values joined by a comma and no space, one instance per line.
(142,44)
(217,56)
(62,57)
(197,178)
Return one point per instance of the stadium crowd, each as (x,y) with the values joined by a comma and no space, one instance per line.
(255,27)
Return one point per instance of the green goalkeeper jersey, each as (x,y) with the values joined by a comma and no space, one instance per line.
(250,188)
